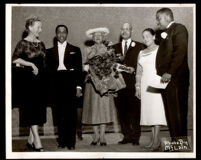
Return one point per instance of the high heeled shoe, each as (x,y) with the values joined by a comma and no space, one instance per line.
(29,146)
(155,148)
(103,141)
(94,143)
(103,144)
(148,146)
(38,149)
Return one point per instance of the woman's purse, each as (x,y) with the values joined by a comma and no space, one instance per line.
(21,77)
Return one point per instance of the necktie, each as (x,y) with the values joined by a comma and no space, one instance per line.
(125,47)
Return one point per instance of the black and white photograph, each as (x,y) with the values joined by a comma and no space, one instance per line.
(100,80)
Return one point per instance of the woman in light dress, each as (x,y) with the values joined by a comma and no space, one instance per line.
(98,110)
(152,107)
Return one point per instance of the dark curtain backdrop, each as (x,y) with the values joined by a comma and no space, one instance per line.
(80,19)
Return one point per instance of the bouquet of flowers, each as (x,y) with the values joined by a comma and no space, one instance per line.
(103,69)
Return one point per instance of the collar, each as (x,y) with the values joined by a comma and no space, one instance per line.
(128,41)
(168,26)
(62,44)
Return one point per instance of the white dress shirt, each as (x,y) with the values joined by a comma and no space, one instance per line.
(61,51)
(123,44)
(170,24)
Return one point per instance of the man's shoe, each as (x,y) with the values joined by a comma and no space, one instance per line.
(71,147)
(136,143)
(124,141)
(61,146)
(79,136)
(103,144)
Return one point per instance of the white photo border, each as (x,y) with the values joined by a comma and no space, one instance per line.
(42,155)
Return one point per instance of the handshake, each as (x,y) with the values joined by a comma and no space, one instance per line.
(122,68)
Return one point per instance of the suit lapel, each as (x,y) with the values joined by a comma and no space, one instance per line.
(119,48)
(129,47)
(67,51)
(170,28)
(56,53)
(163,44)
(168,31)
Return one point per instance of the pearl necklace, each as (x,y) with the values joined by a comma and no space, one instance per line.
(32,41)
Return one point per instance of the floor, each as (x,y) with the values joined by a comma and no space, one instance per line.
(50,143)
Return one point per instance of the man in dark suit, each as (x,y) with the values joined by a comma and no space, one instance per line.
(172,65)
(64,66)
(128,106)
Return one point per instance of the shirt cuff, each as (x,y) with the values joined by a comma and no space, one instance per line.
(78,87)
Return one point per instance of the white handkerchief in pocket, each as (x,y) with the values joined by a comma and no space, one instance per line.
(155,82)
(72,52)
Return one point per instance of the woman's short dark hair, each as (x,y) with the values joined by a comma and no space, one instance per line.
(153,33)
(61,25)
(150,30)
(29,22)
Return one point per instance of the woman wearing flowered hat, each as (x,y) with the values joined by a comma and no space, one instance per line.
(98,108)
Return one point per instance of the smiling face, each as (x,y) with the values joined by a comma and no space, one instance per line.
(61,34)
(148,38)
(98,37)
(35,28)
(126,31)
(162,20)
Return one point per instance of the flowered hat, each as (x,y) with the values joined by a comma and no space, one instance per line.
(103,30)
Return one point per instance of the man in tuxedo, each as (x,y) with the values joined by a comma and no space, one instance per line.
(172,65)
(64,66)
(128,106)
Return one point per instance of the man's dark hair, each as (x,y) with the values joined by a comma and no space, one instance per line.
(167,11)
(61,25)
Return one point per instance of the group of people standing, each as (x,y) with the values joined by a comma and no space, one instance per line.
(137,104)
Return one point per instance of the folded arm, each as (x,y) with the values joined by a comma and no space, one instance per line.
(180,47)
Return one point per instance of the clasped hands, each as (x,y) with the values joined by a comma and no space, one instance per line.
(166,77)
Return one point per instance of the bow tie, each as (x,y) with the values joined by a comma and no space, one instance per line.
(61,45)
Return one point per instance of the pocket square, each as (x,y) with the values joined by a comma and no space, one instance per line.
(72,69)
(72,52)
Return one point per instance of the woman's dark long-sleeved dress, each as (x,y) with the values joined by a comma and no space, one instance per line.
(27,88)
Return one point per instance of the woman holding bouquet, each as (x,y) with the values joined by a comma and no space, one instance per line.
(98,107)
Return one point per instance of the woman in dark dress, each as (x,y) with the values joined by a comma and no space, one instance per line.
(29,54)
